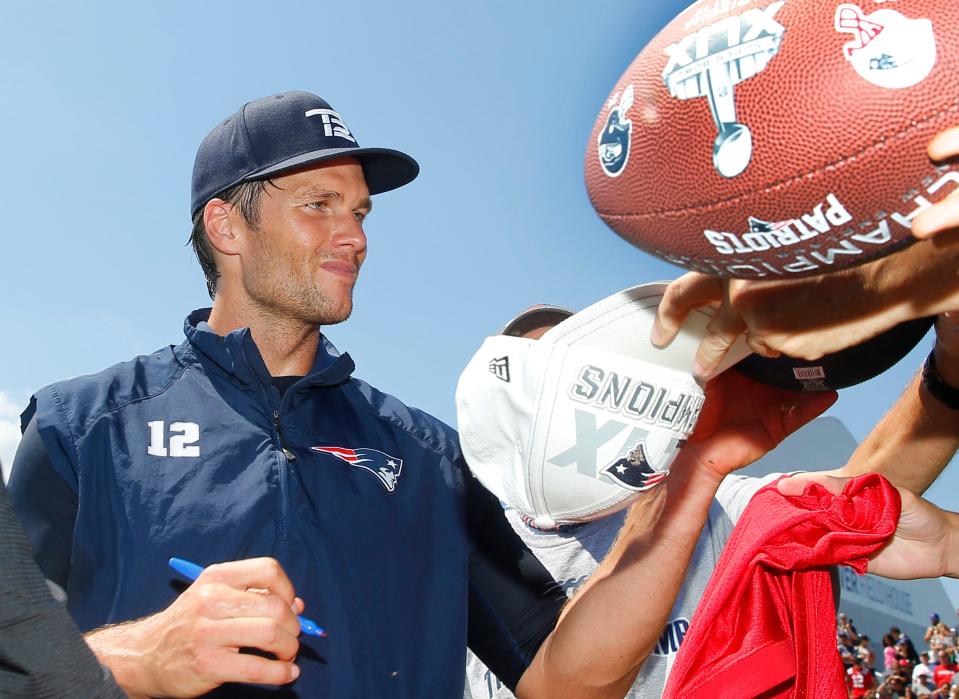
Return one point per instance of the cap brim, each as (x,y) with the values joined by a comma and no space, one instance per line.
(533,317)
(383,168)
(622,323)
(842,369)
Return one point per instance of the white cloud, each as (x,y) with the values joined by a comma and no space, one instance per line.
(10,410)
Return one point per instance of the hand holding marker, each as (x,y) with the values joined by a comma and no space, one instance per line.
(192,571)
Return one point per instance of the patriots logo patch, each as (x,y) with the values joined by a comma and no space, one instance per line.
(634,472)
(385,467)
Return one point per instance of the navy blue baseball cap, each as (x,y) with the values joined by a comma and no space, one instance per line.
(284,132)
(841,369)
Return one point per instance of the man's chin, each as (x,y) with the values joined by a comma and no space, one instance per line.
(336,318)
(331,314)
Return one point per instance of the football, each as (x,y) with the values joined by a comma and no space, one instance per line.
(777,139)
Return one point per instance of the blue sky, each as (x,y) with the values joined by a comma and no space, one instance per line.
(105,105)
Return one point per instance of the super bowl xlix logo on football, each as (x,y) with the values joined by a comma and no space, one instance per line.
(712,61)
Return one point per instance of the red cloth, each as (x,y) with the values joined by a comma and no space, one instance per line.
(858,682)
(766,625)
(943,673)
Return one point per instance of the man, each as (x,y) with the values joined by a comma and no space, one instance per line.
(846,648)
(252,443)
(922,667)
(922,685)
(571,553)
(741,420)
(858,681)
(41,651)
(894,687)
(937,630)
(864,651)
(845,624)
(945,670)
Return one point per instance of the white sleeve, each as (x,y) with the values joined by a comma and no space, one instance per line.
(735,492)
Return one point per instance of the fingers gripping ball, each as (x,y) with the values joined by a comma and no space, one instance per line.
(779,138)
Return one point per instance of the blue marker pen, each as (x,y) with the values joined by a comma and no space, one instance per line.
(192,571)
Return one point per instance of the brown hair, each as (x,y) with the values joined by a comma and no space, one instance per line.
(246,197)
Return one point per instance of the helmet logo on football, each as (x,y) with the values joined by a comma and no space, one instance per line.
(712,61)
(613,141)
(887,49)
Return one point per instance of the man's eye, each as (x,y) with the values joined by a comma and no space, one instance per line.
(317,205)
(359,216)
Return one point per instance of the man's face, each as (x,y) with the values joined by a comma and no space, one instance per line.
(303,261)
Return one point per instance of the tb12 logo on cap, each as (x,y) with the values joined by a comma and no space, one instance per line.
(333,124)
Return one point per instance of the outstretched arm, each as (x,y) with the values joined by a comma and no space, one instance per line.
(607,631)
(915,440)
(851,305)
(926,542)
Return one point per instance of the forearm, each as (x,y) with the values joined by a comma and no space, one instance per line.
(913,442)
(191,647)
(118,648)
(952,546)
(893,282)
(627,601)
(862,301)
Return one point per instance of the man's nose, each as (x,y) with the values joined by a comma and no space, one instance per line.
(349,233)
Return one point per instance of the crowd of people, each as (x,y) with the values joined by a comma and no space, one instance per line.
(905,671)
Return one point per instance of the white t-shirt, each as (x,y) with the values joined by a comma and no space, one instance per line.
(572,556)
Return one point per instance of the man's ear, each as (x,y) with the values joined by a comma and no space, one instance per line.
(220,226)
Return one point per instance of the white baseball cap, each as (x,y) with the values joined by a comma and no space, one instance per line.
(578,424)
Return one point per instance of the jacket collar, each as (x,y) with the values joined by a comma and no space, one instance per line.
(237,354)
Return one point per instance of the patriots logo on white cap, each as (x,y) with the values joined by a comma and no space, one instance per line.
(634,472)
(385,467)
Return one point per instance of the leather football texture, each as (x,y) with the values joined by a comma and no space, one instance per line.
(779,138)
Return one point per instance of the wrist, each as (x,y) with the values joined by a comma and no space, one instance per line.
(952,545)
(692,470)
(117,648)
(947,365)
(938,386)
(690,490)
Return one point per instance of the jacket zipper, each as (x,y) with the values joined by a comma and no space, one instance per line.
(284,534)
(287,452)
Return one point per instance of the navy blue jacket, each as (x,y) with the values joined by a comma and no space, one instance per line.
(192,452)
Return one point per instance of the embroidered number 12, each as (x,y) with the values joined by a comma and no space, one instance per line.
(183,439)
